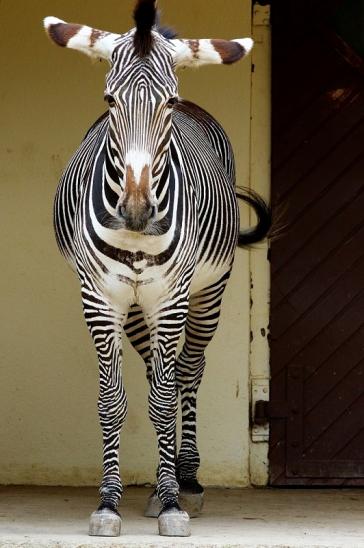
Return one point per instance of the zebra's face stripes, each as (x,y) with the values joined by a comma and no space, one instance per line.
(141,88)
(141,93)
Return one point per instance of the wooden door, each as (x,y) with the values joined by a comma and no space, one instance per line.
(317,308)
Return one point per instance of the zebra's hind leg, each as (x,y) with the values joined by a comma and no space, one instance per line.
(202,321)
(105,326)
(191,495)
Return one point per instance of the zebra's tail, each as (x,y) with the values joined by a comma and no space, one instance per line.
(263,213)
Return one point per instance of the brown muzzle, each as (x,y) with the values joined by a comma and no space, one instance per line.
(135,206)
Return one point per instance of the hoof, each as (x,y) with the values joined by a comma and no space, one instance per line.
(154,506)
(105,523)
(174,523)
(191,502)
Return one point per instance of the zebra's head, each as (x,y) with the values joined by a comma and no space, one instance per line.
(141,90)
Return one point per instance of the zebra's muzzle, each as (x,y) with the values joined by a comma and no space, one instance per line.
(136,207)
(136,220)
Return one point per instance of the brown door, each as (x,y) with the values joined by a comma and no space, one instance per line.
(317,309)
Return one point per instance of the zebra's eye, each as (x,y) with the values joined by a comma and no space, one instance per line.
(110,100)
(172,101)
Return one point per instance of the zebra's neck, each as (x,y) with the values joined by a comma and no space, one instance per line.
(109,238)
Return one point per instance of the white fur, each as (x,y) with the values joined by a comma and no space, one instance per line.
(137,160)
(81,41)
(206,274)
(48,21)
(206,55)
(247,43)
(182,54)
(140,264)
(103,47)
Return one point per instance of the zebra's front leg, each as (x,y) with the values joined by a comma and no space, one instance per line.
(105,326)
(189,371)
(172,521)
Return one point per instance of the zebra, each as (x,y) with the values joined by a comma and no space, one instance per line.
(146,214)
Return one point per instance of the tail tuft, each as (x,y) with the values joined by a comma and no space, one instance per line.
(264,215)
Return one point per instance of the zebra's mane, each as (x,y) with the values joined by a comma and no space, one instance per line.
(146,16)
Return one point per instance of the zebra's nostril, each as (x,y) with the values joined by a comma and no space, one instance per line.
(121,210)
(152,212)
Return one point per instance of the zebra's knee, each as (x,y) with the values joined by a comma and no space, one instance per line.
(163,409)
(112,410)
(163,418)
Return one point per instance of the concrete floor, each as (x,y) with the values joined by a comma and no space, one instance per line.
(58,517)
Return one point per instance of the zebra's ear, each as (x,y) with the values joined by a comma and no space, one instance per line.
(92,42)
(194,53)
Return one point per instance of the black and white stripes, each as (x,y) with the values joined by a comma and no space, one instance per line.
(146,213)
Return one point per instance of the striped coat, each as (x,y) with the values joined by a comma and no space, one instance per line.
(146,214)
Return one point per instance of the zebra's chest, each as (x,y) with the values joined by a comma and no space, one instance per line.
(129,268)
(143,285)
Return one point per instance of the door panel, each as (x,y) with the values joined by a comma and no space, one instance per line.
(317,301)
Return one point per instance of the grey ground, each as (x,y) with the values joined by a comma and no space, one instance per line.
(58,517)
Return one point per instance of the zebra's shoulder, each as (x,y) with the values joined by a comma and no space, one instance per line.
(200,116)
(197,126)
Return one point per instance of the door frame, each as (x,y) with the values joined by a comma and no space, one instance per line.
(259,266)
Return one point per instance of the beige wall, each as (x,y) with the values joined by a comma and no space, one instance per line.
(48,368)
